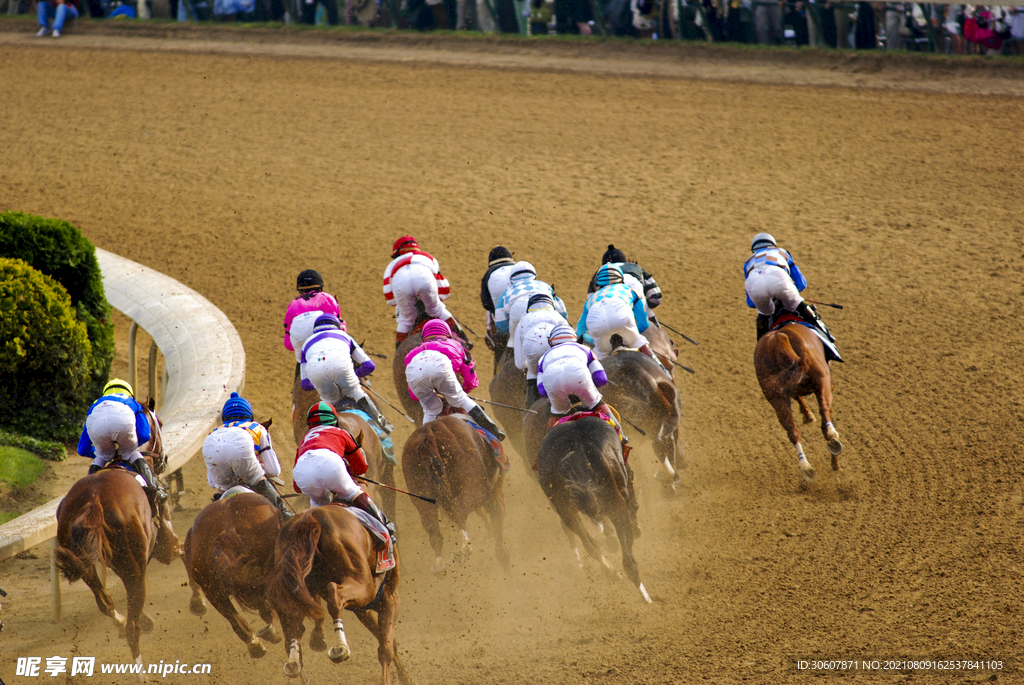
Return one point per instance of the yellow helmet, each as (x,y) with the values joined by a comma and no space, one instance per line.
(116,385)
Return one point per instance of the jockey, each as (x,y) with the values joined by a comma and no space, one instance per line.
(325,462)
(771,274)
(495,281)
(531,341)
(414,275)
(304,309)
(434,368)
(615,308)
(511,306)
(115,427)
(327,361)
(240,452)
(569,368)
(649,287)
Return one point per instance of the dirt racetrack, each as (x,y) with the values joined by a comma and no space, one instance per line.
(233,172)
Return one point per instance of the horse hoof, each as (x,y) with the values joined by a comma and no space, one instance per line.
(197,606)
(339,654)
(835,447)
(808,418)
(807,471)
(643,591)
(146,623)
(293,670)
(835,463)
(257,649)
(270,634)
(317,642)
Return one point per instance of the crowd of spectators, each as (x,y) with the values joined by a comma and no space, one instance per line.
(956,29)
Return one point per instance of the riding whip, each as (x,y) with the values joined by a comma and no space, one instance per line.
(384,400)
(372,354)
(404,492)
(825,304)
(684,368)
(684,336)
(280,495)
(465,326)
(507,406)
(638,429)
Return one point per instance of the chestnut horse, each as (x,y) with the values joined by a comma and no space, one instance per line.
(582,472)
(106,520)
(326,553)
(790,363)
(448,460)
(229,553)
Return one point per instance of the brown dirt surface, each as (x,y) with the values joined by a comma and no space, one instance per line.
(233,172)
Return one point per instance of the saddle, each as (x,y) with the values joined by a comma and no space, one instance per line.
(784,317)
(382,538)
(126,466)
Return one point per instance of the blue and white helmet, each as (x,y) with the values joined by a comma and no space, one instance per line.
(523,272)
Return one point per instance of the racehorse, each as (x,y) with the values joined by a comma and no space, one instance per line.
(380,467)
(229,552)
(581,470)
(326,553)
(450,461)
(509,387)
(644,396)
(106,520)
(662,346)
(790,363)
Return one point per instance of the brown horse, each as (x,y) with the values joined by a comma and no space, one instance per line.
(582,472)
(448,460)
(326,553)
(662,346)
(509,387)
(790,363)
(104,521)
(229,552)
(380,467)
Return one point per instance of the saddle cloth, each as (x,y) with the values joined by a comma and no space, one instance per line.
(386,443)
(587,414)
(831,351)
(496,449)
(385,545)
(126,466)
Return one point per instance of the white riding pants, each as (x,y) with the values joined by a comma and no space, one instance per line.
(608,317)
(331,372)
(430,373)
(515,314)
(416,282)
(230,457)
(111,422)
(568,376)
(318,473)
(770,283)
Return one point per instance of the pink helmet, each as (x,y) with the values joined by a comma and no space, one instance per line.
(436,328)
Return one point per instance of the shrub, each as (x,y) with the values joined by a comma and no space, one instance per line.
(60,251)
(54,451)
(45,356)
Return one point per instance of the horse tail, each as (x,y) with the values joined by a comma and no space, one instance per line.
(577,474)
(788,360)
(295,553)
(89,545)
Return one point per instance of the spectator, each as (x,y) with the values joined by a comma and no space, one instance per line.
(977,30)
(741,21)
(895,25)
(57,13)
(797,18)
(573,16)
(866,31)
(768,23)
(1017,30)
(309,11)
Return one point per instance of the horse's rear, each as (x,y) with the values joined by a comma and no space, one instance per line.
(326,553)
(106,519)
(449,461)
(229,553)
(509,387)
(790,363)
(582,472)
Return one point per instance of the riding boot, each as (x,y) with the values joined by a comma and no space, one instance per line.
(646,349)
(532,394)
(485,421)
(809,314)
(363,501)
(366,405)
(93,468)
(263,487)
(400,338)
(154,490)
(457,330)
(552,421)
(762,325)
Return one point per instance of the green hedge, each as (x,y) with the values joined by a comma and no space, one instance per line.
(45,356)
(54,451)
(60,251)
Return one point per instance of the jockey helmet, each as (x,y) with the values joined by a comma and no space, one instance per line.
(309,280)
(762,240)
(562,333)
(523,271)
(608,274)
(613,256)
(236,408)
(540,301)
(326,321)
(498,255)
(321,414)
(116,385)
(435,328)
(404,244)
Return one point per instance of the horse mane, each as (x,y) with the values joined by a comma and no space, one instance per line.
(296,550)
(89,544)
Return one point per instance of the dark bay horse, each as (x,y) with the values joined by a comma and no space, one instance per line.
(582,473)
(229,553)
(448,460)
(326,553)
(106,521)
(790,363)
(509,387)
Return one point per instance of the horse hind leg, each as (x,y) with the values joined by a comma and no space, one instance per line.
(317,641)
(784,411)
(370,620)
(221,601)
(269,632)
(335,607)
(824,394)
(496,515)
(624,528)
(805,411)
